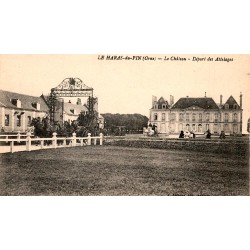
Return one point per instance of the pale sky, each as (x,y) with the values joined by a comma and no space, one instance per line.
(128,86)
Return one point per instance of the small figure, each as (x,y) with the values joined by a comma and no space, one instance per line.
(193,134)
(187,133)
(208,136)
(181,134)
(222,135)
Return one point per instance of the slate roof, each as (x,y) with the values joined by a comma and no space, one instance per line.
(26,101)
(68,107)
(202,102)
(77,108)
(162,101)
(231,101)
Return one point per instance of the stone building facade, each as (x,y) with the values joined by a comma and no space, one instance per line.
(197,115)
(18,110)
(67,111)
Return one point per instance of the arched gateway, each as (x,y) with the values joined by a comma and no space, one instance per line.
(70,87)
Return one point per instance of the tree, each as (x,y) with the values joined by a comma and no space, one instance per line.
(52,101)
(42,127)
(133,123)
(88,121)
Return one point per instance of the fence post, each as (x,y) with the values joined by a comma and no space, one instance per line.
(54,140)
(12,146)
(42,143)
(74,140)
(101,138)
(18,136)
(89,139)
(28,142)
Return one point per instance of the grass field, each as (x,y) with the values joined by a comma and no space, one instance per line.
(111,170)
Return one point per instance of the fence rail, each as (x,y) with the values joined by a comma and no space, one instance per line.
(53,142)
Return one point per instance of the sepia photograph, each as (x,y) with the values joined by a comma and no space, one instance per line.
(124,125)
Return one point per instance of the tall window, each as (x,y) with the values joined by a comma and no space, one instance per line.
(216,117)
(235,128)
(207,117)
(215,128)
(155,116)
(187,117)
(200,117)
(29,120)
(193,127)
(193,117)
(181,117)
(226,128)
(7,120)
(172,116)
(18,120)
(235,117)
(163,117)
(226,117)
(199,128)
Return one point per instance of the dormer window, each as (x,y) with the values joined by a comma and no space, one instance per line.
(16,102)
(36,105)
(235,106)
(226,106)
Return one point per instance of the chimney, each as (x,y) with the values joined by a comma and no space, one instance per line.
(171,100)
(221,100)
(240,100)
(154,100)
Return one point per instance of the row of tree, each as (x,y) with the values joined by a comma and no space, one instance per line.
(115,124)
(124,123)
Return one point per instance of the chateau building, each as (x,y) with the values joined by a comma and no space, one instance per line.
(67,111)
(197,115)
(18,110)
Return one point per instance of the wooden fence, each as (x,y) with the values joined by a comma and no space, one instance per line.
(53,142)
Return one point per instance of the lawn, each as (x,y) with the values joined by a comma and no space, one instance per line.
(113,170)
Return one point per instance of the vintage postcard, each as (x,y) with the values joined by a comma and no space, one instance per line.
(124,125)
